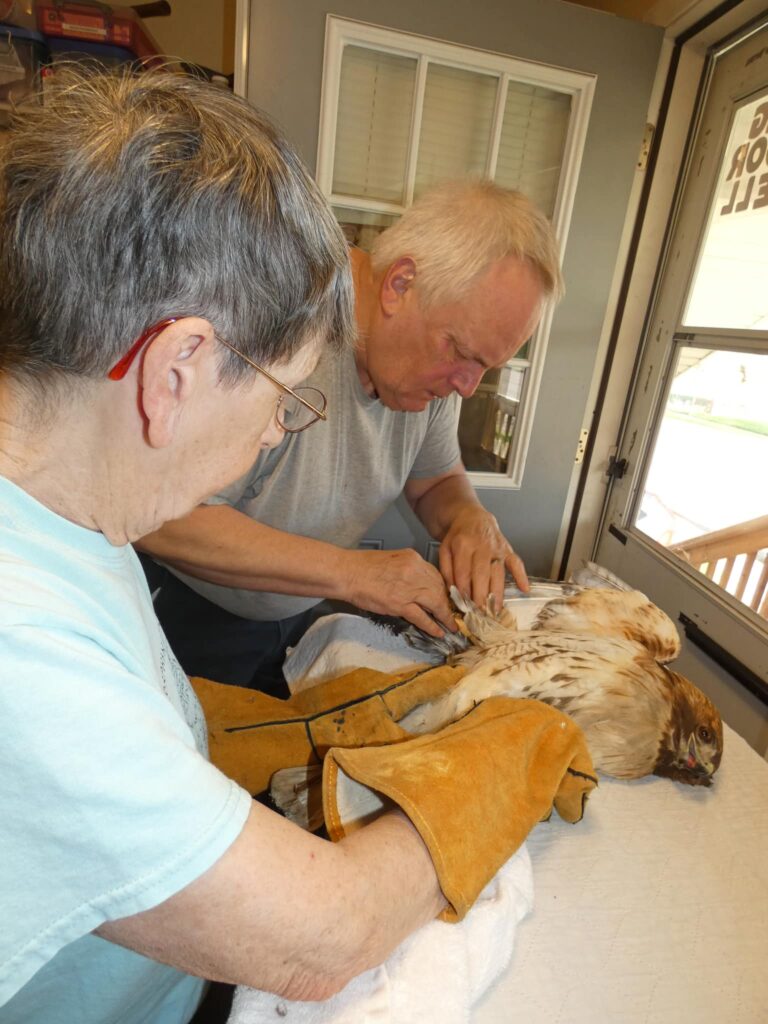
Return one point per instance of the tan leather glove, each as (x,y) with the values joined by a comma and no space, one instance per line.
(251,735)
(473,791)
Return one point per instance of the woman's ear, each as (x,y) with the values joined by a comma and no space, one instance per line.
(176,365)
(396,284)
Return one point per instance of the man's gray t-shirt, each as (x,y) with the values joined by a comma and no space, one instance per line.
(333,481)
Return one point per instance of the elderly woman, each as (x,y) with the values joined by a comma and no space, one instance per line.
(168,274)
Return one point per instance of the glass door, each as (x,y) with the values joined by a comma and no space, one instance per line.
(688,518)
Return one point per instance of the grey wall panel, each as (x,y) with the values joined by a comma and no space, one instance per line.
(285,72)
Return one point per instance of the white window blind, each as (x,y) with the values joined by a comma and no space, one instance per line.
(456,125)
(532,143)
(373,129)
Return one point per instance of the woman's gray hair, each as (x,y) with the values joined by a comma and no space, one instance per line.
(457,230)
(130,197)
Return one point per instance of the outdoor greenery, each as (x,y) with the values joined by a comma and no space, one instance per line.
(754,426)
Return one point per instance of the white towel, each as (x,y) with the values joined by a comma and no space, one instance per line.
(340,643)
(435,977)
(443,970)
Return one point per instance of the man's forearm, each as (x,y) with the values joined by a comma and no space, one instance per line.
(218,544)
(440,506)
(221,545)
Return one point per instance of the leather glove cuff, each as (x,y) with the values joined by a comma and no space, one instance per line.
(473,790)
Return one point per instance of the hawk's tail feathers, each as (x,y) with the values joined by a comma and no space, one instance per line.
(485,627)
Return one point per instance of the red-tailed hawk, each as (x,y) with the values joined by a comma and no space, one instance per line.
(600,656)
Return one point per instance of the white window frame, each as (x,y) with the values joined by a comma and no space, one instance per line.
(341,32)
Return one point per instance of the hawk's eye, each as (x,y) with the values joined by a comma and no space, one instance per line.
(704,734)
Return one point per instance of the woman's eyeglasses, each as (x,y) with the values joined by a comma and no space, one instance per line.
(297,409)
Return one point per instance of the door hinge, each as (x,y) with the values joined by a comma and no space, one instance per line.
(581,447)
(645,147)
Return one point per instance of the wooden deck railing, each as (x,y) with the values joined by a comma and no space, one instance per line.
(750,539)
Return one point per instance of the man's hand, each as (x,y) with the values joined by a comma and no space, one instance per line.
(474,553)
(474,556)
(397,583)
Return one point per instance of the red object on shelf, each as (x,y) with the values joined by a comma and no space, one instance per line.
(96,23)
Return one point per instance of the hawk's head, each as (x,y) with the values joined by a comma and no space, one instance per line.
(692,743)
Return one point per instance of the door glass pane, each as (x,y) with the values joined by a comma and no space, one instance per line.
(532,144)
(456,125)
(373,124)
(705,497)
(730,286)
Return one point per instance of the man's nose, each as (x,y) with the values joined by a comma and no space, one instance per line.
(466,379)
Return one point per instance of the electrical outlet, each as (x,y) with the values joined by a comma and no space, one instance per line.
(431,553)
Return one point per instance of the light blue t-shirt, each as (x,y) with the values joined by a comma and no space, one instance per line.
(108,804)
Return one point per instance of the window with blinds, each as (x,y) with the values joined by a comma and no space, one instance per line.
(401,114)
(456,123)
(373,126)
(532,142)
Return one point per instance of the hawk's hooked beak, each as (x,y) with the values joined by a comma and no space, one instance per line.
(695,760)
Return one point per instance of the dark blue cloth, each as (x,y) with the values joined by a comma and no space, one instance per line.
(215,644)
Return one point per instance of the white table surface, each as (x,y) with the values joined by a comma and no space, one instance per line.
(652,910)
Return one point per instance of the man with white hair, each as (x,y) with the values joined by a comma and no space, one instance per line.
(453,289)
